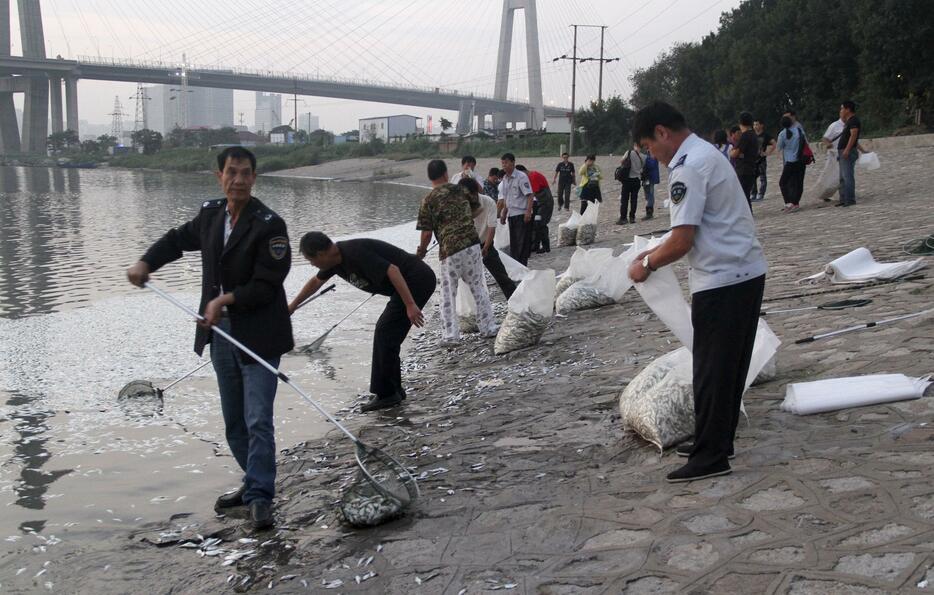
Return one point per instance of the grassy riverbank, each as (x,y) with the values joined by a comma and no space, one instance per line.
(279,157)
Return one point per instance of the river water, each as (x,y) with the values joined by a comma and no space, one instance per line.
(73,464)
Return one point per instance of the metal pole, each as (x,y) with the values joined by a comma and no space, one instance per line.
(573,91)
(600,87)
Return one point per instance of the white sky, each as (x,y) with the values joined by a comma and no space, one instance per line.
(431,43)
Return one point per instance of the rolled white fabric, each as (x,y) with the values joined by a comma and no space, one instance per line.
(806,398)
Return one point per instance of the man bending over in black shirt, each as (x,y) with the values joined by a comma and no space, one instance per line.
(375,267)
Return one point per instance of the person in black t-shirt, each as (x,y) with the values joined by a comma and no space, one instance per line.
(746,155)
(564,176)
(847,154)
(375,267)
(766,148)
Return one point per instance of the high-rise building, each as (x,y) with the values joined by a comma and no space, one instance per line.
(308,122)
(205,107)
(268,111)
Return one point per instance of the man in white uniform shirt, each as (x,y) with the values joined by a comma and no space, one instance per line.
(515,192)
(710,224)
(485,223)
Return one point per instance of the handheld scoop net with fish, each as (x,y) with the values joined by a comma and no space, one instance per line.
(143,390)
(383,488)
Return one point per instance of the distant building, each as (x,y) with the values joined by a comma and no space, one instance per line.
(268,111)
(388,128)
(308,122)
(206,108)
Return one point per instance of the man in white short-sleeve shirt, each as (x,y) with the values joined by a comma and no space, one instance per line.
(712,225)
(485,223)
(515,192)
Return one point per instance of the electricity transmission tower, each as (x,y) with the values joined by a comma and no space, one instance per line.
(141,120)
(116,126)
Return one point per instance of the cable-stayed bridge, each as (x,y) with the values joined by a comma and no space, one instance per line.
(41,79)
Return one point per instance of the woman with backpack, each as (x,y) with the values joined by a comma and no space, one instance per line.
(791,143)
(629,174)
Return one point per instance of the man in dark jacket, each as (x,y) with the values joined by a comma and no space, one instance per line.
(245,257)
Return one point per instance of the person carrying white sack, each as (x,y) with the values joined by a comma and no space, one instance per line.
(448,212)
(712,225)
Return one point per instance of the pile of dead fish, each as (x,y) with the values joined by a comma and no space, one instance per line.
(519,330)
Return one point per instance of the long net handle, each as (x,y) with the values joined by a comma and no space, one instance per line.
(177,380)
(258,359)
(187,374)
(863,326)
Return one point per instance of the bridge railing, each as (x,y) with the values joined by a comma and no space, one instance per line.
(286,76)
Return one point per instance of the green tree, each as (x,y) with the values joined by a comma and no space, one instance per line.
(105,141)
(445,125)
(149,140)
(60,141)
(606,125)
(321,138)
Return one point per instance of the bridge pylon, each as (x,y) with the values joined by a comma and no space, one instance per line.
(535,118)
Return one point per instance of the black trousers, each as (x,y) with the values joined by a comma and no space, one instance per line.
(542,216)
(629,195)
(494,264)
(520,238)
(564,195)
(748,183)
(725,321)
(391,329)
(792,182)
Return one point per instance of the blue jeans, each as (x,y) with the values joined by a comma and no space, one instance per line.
(247,395)
(848,177)
(649,195)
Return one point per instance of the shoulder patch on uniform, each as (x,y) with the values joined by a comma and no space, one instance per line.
(278,247)
(680,162)
(211,204)
(677,191)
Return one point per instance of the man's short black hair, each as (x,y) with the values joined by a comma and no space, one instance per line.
(468,159)
(522,168)
(314,242)
(495,171)
(508,157)
(590,158)
(565,154)
(436,169)
(849,104)
(657,113)
(791,113)
(470,184)
(235,153)
(745,119)
(734,129)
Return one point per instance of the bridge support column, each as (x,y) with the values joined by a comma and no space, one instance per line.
(9,129)
(71,103)
(465,116)
(36,104)
(501,86)
(55,95)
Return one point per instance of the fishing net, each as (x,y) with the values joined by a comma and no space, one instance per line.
(382,490)
(139,389)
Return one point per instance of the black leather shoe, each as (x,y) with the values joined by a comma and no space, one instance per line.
(686,448)
(381,403)
(261,514)
(632,219)
(231,499)
(621,221)
(692,472)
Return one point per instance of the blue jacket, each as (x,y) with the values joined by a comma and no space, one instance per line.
(650,170)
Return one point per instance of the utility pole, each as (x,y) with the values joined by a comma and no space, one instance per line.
(574,60)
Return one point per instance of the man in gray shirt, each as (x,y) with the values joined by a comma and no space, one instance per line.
(515,191)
